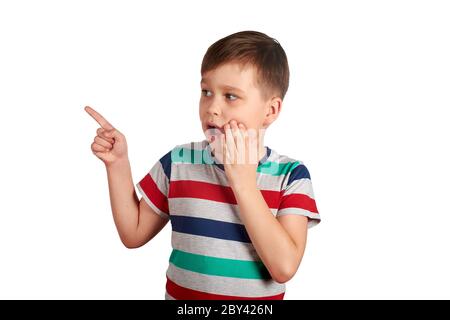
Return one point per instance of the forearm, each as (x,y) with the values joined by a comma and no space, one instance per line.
(273,244)
(123,198)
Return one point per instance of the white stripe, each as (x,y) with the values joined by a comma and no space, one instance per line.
(212,174)
(303,186)
(224,285)
(207,209)
(212,247)
(314,218)
(169,297)
(199,172)
(159,177)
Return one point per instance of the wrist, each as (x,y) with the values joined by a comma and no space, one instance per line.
(244,187)
(118,163)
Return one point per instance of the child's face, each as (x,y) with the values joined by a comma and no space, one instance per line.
(231,93)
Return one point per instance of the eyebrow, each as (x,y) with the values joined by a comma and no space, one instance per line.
(227,87)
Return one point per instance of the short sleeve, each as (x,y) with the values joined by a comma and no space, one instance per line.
(297,197)
(154,186)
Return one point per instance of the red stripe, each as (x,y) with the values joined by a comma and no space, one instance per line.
(209,191)
(181,293)
(152,192)
(272,198)
(298,200)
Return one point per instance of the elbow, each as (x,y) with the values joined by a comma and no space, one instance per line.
(130,244)
(283,277)
(284,273)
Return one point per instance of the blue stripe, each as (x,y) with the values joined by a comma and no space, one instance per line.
(299,172)
(209,228)
(166,163)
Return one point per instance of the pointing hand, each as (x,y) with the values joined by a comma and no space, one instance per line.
(109,145)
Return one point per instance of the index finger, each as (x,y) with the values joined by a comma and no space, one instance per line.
(99,118)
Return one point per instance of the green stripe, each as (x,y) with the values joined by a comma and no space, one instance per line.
(192,156)
(185,155)
(219,266)
(277,169)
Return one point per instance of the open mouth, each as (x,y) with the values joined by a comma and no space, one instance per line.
(209,127)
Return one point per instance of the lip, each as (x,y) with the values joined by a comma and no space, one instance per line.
(212,126)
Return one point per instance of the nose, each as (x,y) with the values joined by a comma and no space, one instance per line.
(214,108)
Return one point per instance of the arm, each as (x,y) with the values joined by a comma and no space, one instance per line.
(135,221)
(280,242)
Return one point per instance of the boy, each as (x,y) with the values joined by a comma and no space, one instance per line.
(239,210)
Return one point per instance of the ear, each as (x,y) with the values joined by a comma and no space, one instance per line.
(272,110)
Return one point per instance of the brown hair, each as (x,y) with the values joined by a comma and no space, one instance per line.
(255,48)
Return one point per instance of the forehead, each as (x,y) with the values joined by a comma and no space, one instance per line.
(232,74)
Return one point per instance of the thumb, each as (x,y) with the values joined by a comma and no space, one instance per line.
(113,133)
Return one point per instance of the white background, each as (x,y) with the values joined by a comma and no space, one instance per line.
(367,112)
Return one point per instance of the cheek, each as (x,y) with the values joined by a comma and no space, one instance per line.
(201,106)
(248,119)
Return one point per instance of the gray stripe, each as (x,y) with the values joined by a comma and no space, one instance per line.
(168,296)
(224,285)
(314,218)
(302,186)
(160,178)
(212,174)
(199,172)
(213,247)
(207,209)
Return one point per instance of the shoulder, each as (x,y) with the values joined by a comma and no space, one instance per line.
(290,168)
(180,153)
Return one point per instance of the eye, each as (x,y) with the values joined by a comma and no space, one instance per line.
(230,96)
(205,92)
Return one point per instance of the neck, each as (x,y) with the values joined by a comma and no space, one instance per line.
(261,151)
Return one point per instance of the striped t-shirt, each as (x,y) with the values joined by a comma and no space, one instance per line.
(212,256)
